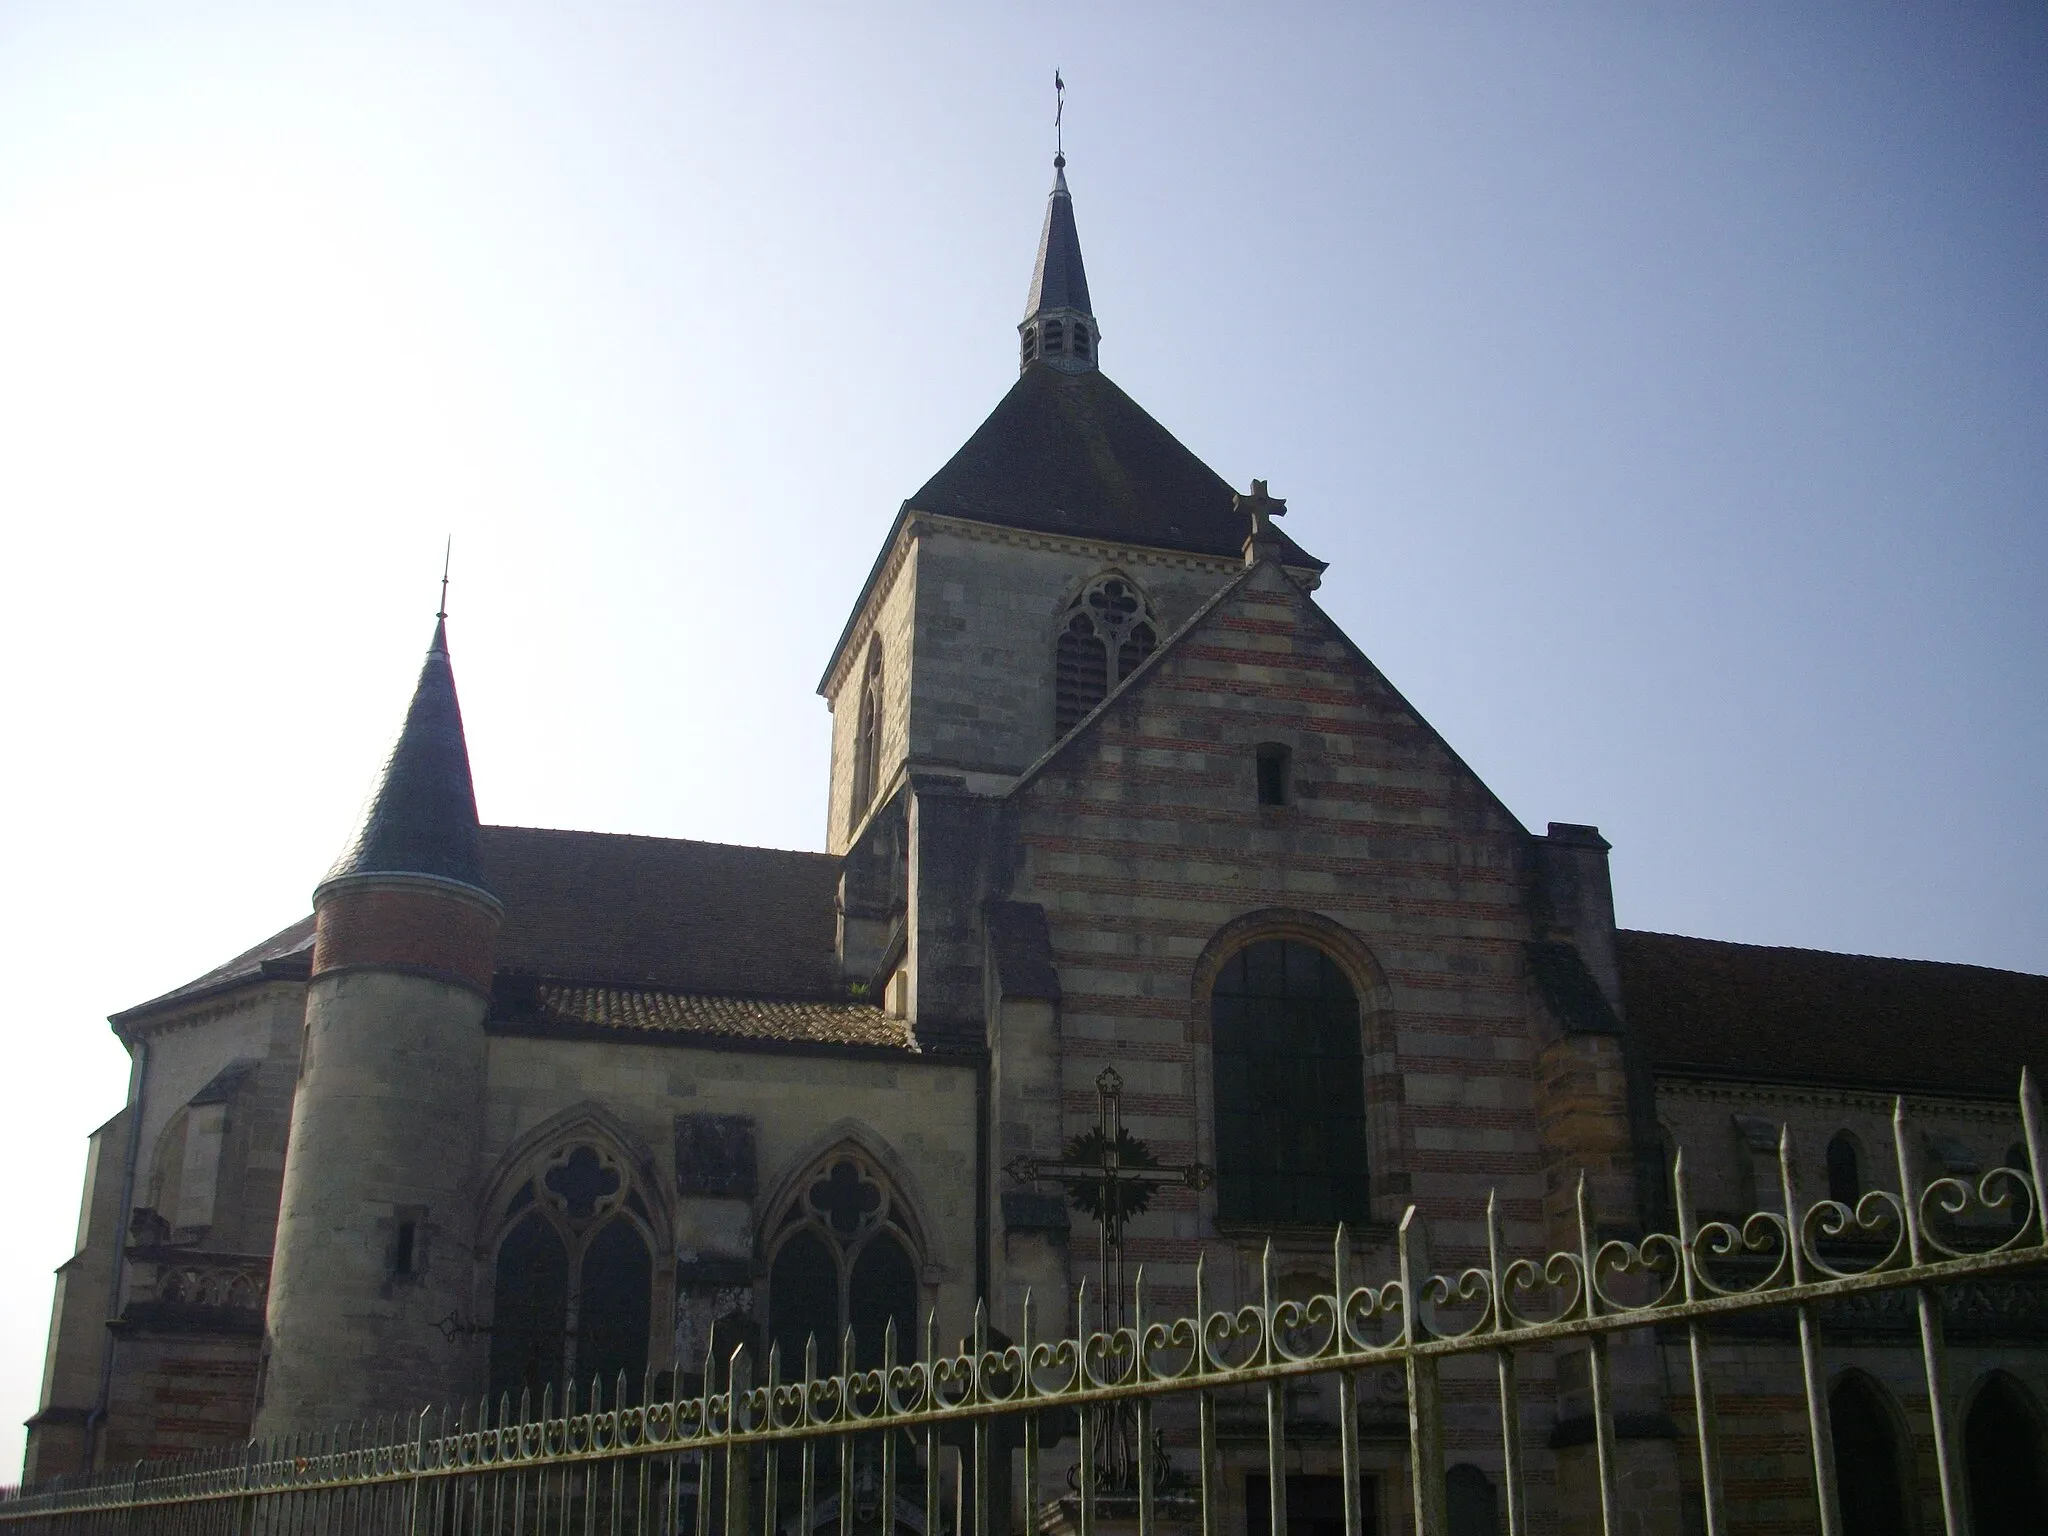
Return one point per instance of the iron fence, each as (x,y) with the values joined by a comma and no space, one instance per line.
(1078,1432)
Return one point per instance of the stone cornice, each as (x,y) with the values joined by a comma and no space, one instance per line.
(1737,1092)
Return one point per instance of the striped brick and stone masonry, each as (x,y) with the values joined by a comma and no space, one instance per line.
(1144,840)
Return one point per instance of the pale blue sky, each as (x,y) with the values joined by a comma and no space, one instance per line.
(1666,386)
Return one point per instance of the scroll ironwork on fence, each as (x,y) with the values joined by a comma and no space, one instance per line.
(983,1437)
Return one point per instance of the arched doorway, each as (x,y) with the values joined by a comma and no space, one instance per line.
(1289,1087)
(2002,1449)
(1868,1487)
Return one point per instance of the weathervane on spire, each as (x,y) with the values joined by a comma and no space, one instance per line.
(1059,111)
(447,550)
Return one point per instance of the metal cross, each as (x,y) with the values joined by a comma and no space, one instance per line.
(1118,1180)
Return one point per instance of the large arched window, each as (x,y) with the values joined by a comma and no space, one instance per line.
(1290,1087)
(1104,634)
(867,739)
(2002,1448)
(843,1254)
(574,1278)
(1867,1478)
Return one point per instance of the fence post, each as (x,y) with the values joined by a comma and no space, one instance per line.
(1933,1347)
(1425,1403)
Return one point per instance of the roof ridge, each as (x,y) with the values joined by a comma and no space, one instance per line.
(654,837)
(1833,954)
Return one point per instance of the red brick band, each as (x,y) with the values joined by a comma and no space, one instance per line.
(406,925)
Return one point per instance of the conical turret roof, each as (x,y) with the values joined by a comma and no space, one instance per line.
(422,818)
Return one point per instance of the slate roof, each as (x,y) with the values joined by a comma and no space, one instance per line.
(743,1018)
(1072,453)
(634,912)
(666,913)
(1058,280)
(421,819)
(1747,1011)
(286,953)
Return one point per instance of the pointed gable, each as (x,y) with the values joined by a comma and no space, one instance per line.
(1261,661)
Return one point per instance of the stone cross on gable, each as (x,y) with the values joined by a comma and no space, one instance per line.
(1264,539)
(1261,508)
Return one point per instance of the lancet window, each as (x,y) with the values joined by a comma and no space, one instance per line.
(867,741)
(1290,1087)
(1104,634)
(574,1278)
(844,1255)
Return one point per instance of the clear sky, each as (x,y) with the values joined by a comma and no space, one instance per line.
(1666,386)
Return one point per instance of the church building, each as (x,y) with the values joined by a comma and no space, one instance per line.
(1113,804)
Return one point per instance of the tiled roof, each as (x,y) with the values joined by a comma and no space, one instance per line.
(1071,453)
(1802,1015)
(665,913)
(806,1023)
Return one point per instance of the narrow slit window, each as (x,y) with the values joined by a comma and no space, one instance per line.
(1273,764)
(404,1252)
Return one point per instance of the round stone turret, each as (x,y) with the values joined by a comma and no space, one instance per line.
(374,1232)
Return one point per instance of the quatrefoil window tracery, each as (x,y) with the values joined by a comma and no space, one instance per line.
(844,1255)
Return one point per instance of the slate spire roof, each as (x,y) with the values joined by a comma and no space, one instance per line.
(1058,281)
(1059,329)
(421,820)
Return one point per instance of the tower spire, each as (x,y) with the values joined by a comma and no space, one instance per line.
(1059,326)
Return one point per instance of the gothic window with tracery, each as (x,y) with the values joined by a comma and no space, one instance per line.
(844,1255)
(867,741)
(1104,634)
(573,1298)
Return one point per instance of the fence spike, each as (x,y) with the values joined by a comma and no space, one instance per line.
(2037,1149)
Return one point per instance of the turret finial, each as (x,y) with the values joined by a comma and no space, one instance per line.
(1059,111)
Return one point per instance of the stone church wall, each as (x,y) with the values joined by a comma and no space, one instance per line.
(989,603)
(216,1107)
(1729,1131)
(1146,844)
(916,1117)
(890,615)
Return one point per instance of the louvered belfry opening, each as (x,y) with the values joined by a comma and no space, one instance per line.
(1105,634)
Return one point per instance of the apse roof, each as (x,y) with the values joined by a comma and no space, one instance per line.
(1749,1011)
